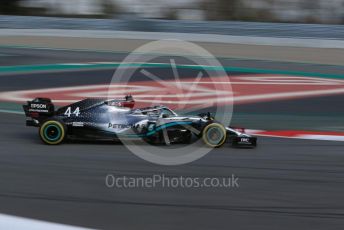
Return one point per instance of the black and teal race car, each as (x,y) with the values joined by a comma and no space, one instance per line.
(116,120)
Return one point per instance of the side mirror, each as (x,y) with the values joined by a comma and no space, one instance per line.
(165,116)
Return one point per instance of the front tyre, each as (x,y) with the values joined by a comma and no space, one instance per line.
(214,135)
(52,132)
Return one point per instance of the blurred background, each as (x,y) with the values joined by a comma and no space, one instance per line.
(300,11)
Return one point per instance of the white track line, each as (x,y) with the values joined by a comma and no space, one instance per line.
(11,111)
(14,223)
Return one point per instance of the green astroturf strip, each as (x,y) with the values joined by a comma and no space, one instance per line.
(81,66)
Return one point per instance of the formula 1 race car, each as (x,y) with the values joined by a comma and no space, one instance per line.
(100,119)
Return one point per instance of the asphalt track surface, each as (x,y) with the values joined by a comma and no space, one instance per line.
(283,184)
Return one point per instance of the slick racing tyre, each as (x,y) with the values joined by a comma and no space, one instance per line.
(52,132)
(214,135)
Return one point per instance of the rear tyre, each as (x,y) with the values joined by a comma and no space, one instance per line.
(52,132)
(214,135)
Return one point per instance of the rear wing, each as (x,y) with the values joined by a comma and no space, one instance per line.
(38,110)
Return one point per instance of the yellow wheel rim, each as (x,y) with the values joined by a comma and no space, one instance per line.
(52,132)
(219,133)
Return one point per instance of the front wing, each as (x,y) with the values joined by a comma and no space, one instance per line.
(249,142)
